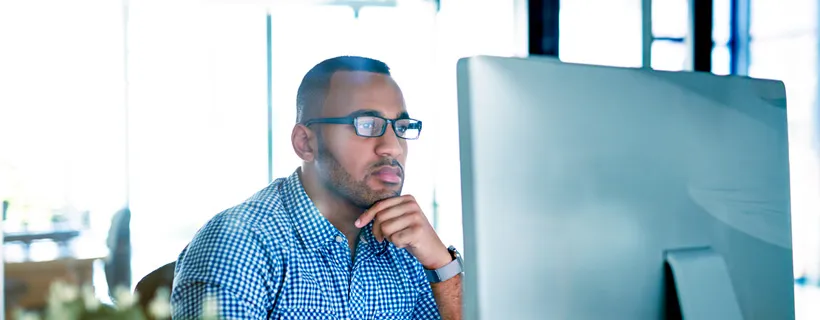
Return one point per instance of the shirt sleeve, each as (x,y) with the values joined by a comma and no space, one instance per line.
(426,308)
(224,267)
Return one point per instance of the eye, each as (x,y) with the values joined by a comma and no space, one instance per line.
(366,122)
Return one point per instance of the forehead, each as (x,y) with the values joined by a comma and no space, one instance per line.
(351,91)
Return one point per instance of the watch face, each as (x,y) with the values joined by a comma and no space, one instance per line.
(454,252)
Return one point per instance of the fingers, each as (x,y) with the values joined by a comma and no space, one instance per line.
(393,214)
(405,237)
(368,215)
(390,229)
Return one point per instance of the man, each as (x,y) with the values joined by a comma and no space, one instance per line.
(335,240)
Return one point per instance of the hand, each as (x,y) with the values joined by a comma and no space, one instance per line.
(401,221)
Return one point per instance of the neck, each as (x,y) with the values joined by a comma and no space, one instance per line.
(339,211)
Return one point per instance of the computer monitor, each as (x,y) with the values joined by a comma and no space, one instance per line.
(593,192)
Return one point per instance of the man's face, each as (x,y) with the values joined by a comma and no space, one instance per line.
(363,170)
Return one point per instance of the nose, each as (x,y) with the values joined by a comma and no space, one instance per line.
(389,145)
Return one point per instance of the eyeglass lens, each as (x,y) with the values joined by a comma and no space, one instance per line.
(375,126)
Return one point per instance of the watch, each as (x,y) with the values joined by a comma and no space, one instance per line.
(449,270)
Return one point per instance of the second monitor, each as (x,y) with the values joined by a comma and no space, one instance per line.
(608,193)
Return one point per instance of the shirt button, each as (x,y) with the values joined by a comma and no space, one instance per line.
(362,239)
(339,239)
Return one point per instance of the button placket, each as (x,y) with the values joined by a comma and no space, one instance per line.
(355,300)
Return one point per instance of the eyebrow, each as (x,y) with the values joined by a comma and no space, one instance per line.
(374,113)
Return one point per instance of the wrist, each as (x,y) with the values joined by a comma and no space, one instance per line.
(453,267)
(443,257)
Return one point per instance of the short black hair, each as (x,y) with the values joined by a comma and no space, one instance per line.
(312,91)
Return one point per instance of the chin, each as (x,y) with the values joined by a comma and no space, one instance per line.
(379,195)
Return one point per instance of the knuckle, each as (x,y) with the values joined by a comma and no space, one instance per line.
(396,236)
(406,236)
(379,218)
(387,227)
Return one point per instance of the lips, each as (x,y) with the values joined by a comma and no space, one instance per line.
(388,174)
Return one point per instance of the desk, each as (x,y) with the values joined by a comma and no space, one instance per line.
(61,237)
(28,237)
(36,278)
(35,260)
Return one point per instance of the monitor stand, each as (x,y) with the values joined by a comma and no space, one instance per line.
(698,286)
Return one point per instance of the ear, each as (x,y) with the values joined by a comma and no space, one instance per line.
(303,141)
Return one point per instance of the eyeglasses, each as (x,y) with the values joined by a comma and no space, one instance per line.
(375,126)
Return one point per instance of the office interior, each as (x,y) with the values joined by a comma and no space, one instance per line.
(126,125)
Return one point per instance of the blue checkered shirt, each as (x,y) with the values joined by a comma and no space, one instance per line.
(276,257)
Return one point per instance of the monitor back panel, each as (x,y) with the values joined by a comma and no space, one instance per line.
(576,179)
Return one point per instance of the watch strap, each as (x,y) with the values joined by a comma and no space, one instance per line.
(448,271)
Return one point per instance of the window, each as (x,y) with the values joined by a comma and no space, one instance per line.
(669,55)
(671,25)
(61,117)
(62,124)
(721,59)
(721,35)
(607,33)
(773,18)
(197,120)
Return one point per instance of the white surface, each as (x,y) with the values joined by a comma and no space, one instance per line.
(807,302)
(577,178)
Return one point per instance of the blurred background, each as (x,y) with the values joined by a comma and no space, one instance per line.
(126,125)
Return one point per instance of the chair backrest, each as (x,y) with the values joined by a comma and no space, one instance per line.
(148,286)
(118,264)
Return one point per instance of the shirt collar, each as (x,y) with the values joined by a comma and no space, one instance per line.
(315,231)
(311,227)
(366,235)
